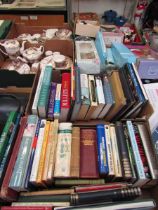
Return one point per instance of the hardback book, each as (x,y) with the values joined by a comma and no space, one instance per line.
(120,100)
(51,165)
(100,98)
(149,151)
(92,96)
(73,86)
(51,101)
(44,92)
(102,151)
(57,102)
(139,165)
(36,159)
(38,89)
(43,154)
(77,103)
(63,151)
(33,149)
(117,161)
(123,151)
(41,204)
(6,192)
(65,97)
(88,145)
(80,181)
(75,153)
(5,135)
(108,95)
(17,180)
(85,100)
(26,208)
(10,145)
(110,157)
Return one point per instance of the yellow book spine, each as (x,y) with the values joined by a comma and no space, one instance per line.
(53,151)
(48,151)
(43,153)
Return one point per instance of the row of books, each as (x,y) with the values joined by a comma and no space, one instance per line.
(117,95)
(56,153)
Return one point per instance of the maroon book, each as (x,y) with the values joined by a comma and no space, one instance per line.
(26,208)
(7,193)
(88,154)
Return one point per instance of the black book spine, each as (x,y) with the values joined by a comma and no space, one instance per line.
(123,151)
(105,196)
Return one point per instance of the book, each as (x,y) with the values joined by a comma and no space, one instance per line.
(108,95)
(44,92)
(65,97)
(5,135)
(41,204)
(36,160)
(85,100)
(77,103)
(51,101)
(88,145)
(92,96)
(123,151)
(51,165)
(75,153)
(71,182)
(19,173)
(100,98)
(26,208)
(57,102)
(63,151)
(6,192)
(43,154)
(102,151)
(120,100)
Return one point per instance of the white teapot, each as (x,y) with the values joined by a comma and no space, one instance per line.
(12,47)
(31,54)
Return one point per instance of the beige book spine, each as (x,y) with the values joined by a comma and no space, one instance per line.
(43,153)
(50,173)
(75,153)
(48,151)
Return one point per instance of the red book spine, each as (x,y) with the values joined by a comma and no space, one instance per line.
(25,208)
(66,90)
(88,154)
(6,192)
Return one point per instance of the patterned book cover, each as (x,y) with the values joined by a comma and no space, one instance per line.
(51,102)
(57,102)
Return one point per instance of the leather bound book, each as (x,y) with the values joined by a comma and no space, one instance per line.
(88,154)
(6,192)
(75,153)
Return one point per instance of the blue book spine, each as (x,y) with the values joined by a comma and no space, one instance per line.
(108,94)
(10,145)
(57,102)
(154,137)
(102,150)
(51,101)
(138,161)
(136,84)
(26,184)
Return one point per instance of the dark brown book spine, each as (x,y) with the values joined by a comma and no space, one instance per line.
(75,153)
(88,154)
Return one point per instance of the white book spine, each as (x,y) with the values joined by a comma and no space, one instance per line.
(36,160)
(35,101)
(138,161)
(57,102)
(109,151)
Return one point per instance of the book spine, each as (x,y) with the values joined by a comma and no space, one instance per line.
(117,163)
(53,151)
(38,89)
(10,145)
(19,172)
(75,153)
(33,149)
(139,165)
(51,103)
(127,172)
(63,154)
(109,151)
(57,102)
(102,151)
(4,138)
(37,152)
(44,93)
(43,154)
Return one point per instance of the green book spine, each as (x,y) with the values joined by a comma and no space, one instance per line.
(44,92)
(4,138)
(71,182)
